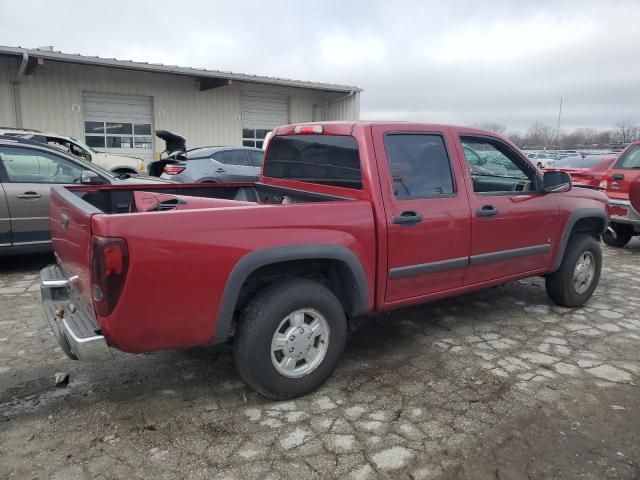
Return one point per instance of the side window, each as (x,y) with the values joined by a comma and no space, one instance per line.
(255,158)
(235,157)
(630,160)
(419,165)
(495,168)
(24,165)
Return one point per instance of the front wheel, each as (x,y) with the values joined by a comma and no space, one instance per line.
(576,279)
(620,236)
(290,338)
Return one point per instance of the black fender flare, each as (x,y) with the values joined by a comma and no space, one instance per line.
(261,258)
(575,216)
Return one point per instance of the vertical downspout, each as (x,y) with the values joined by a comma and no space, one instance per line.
(16,90)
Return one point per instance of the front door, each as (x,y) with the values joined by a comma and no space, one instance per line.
(514,225)
(428,217)
(27,177)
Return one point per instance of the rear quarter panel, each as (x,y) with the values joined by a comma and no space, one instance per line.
(180,262)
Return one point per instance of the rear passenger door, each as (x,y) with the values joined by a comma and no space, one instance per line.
(237,166)
(27,177)
(624,171)
(427,213)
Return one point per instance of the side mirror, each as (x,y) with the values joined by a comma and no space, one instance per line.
(556,182)
(87,177)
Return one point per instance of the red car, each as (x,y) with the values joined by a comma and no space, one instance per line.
(616,183)
(349,218)
(585,171)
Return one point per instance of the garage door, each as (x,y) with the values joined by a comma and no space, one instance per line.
(119,124)
(261,113)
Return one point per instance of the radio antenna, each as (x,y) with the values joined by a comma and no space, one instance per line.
(558,128)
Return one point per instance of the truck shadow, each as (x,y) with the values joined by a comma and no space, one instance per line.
(25,263)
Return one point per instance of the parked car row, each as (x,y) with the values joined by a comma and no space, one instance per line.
(116,163)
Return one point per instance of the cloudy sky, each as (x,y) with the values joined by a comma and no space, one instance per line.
(463,62)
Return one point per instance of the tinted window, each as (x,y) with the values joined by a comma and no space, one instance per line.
(24,165)
(325,159)
(419,165)
(630,159)
(234,157)
(255,157)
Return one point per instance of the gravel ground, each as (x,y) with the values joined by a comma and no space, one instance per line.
(498,384)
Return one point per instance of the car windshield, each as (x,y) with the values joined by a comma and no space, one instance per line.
(201,152)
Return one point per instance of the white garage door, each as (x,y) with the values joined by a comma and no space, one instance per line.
(262,112)
(119,124)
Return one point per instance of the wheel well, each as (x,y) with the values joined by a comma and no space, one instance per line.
(333,274)
(591,225)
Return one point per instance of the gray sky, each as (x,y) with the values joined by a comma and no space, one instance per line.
(460,62)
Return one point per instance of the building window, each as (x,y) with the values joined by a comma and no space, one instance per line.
(253,137)
(118,135)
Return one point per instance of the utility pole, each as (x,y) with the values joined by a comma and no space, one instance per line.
(558,128)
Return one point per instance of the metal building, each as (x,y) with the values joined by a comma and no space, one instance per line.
(115,105)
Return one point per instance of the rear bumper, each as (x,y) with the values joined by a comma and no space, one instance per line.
(622,212)
(74,326)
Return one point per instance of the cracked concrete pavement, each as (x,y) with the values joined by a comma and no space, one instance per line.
(496,384)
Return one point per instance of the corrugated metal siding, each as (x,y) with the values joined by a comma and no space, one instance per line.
(52,96)
(340,108)
(8,71)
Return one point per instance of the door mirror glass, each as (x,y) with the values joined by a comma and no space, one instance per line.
(554,182)
(91,178)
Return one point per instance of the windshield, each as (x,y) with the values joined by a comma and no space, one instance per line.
(326,159)
(579,162)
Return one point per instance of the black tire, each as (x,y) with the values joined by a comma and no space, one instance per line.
(622,237)
(560,286)
(258,323)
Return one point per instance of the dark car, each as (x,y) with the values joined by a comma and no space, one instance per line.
(28,170)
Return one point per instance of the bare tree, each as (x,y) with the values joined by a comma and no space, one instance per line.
(540,135)
(626,130)
(493,127)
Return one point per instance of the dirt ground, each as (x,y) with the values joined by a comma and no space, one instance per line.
(499,384)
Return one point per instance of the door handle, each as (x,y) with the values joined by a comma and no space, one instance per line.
(220,170)
(28,195)
(618,176)
(487,211)
(408,218)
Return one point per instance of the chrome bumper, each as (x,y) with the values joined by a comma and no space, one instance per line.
(631,218)
(74,327)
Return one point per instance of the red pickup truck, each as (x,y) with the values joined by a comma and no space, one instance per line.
(616,183)
(347,219)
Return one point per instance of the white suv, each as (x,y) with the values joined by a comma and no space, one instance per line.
(109,161)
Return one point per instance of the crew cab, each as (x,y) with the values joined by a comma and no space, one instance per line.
(348,218)
(625,220)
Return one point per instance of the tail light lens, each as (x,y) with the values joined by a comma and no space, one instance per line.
(173,169)
(604,183)
(109,265)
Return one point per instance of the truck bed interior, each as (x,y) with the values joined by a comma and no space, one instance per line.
(123,200)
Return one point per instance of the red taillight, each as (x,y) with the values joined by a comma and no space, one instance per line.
(172,169)
(308,129)
(109,265)
(604,182)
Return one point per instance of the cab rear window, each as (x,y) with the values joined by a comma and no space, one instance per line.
(325,159)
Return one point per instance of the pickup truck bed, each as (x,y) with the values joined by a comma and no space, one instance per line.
(348,219)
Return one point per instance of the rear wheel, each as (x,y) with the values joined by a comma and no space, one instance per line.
(576,279)
(290,338)
(620,236)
